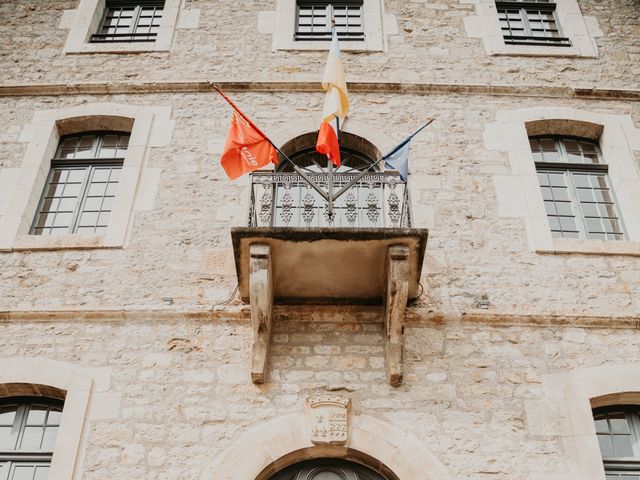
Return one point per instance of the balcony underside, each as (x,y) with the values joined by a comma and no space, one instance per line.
(329,265)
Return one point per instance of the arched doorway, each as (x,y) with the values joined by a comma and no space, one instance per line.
(356,154)
(327,469)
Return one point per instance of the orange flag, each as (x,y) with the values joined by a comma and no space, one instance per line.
(328,142)
(247,148)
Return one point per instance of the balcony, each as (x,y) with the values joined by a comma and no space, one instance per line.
(298,249)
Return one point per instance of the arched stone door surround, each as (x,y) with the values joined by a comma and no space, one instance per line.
(268,448)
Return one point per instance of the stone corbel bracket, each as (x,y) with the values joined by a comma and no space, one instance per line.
(261,294)
(397,295)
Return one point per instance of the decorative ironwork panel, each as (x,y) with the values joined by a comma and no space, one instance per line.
(377,200)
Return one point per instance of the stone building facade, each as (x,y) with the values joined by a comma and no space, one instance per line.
(514,338)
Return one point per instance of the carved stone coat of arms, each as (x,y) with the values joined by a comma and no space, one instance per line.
(329,419)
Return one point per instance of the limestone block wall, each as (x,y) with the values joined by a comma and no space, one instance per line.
(226,40)
(179,245)
(176,393)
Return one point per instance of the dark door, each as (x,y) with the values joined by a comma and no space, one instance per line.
(327,469)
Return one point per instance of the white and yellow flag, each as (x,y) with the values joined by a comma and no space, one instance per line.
(334,82)
(336,104)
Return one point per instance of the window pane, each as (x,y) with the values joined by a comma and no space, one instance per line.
(23,472)
(606,446)
(42,473)
(49,438)
(622,446)
(37,414)
(585,195)
(603,196)
(568,224)
(560,194)
(66,204)
(93,204)
(54,417)
(581,180)
(619,424)
(111,189)
(76,175)
(31,439)
(62,220)
(7,415)
(97,189)
(88,219)
(594,225)
(564,208)
(72,189)
(6,442)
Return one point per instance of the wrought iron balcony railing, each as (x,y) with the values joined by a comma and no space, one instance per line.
(377,200)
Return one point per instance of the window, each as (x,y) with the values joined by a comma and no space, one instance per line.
(530,23)
(126,21)
(618,432)
(125,26)
(576,188)
(28,430)
(80,190)
(314,20)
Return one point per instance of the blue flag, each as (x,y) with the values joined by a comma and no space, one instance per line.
(398,158)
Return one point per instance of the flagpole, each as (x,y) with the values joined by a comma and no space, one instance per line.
(329,161)
(366,170)
(295,167)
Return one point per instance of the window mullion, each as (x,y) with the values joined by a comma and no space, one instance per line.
(135,18)
(525,22)
(81,198)
(96,146)
(575,201)
(18,425)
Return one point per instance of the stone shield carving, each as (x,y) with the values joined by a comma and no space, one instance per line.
(329,419)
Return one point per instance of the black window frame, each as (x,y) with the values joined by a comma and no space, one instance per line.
(526,9)
(132,36)
(616,466)
(18,457)
(325,33)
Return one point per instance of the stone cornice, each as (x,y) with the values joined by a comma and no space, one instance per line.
(415,315)
(112,88)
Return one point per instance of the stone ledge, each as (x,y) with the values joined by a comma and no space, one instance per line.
(416,315)
(111,88)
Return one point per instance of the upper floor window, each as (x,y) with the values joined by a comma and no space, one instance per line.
(80,190)
(618,431)
(575,188)
(530,23)
(314,19)
(28,430)
(130,21)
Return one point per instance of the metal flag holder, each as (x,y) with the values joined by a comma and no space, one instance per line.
(328,195)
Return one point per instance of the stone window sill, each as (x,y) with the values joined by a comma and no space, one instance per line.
(593,247)
(72,241)
(537,51)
